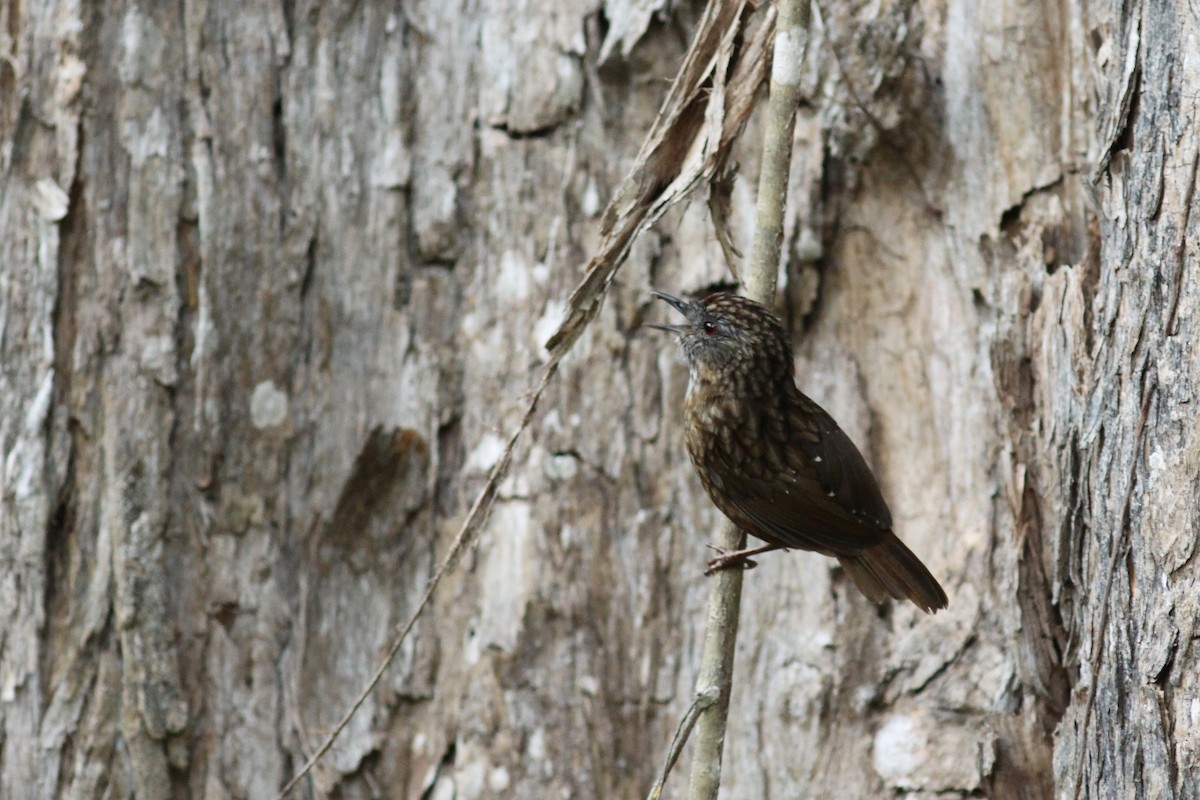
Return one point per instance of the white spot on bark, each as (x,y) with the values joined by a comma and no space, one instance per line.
(917,750)
(561,467)
(35,415)
(131,39)
(392,167)
(590,202)
(537,751)
(158,358)
(899,748)
(445,788)
(268,406)
(509,567)
(498,779)
(486,453)
(71,72)
(512,279)
(863,697)
(49,200)
(470,776)
(537,744)
(152,141)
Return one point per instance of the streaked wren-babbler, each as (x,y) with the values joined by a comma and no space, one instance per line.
(775,462)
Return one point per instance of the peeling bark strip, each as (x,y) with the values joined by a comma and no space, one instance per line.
(235,242)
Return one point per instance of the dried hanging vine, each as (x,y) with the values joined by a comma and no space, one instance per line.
(682,151)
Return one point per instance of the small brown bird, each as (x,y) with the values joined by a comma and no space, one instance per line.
(775,462)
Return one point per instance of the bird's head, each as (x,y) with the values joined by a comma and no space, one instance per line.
(725,333)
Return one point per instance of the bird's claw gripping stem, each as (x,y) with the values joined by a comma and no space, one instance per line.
(729,559)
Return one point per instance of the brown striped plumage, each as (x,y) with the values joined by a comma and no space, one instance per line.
(775,462)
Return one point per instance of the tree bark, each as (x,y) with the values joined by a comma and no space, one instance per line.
(274,284)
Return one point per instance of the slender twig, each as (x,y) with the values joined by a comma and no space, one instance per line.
(682,732)
(716,666)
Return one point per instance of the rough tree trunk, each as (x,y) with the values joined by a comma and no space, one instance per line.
(274,281)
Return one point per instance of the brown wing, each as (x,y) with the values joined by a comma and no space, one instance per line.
(815,492)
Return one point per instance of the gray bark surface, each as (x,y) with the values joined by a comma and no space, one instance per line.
(275,281)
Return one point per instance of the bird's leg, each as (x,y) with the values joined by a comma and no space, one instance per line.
(727,559)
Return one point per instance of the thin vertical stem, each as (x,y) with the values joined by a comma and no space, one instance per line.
(716,667)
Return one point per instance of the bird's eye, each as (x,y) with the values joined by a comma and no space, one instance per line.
(710,327)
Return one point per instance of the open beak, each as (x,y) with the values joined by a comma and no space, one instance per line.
(682,306)
(680,329)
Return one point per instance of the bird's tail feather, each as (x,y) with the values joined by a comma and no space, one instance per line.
(889,569)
